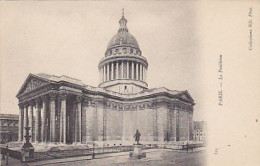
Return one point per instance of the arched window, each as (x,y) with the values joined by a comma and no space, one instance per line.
(121,40)
(131,50)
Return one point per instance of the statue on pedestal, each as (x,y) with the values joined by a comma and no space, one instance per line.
(137,137)
(137,153)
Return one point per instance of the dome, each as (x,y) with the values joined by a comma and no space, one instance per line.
(123,38)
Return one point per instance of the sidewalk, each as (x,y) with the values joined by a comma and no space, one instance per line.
(74,159)
(109,158)
(12,162)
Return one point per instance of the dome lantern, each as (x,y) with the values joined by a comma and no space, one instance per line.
(122,23)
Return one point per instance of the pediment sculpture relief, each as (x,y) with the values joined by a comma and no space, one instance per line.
(34,84)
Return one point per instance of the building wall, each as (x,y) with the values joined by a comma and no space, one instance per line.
(90,111)
(106,118)
(199,131)
(84,121)
(114,124)
(8,127)
(109,122)
(183,125)
(125,88)
(162,122)
(129,125)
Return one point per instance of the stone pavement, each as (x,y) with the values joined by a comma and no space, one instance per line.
(154,157)
(11,162)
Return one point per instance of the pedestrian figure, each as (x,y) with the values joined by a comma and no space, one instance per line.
(7,155)
(137,137)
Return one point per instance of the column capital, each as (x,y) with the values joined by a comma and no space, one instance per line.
(63,95)
(21,105)
(53,95)
(26,104)
(85,100)
(37,100)
(79,98)
(31,102)
(44,98)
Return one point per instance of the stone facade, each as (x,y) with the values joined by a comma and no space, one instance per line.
(82,113)
(8,127)
(199,131)
(63,109)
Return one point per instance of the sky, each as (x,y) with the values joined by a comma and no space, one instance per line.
(70,38)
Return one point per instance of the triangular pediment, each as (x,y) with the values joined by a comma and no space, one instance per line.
(185,95)
(31,83)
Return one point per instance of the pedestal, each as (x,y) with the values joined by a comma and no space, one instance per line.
(27,150)
(137,153)
(27,153)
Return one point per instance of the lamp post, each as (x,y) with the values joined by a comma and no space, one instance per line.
(27,148)
(93,155)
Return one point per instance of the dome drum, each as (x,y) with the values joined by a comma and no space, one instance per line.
(122,69)
(123,58)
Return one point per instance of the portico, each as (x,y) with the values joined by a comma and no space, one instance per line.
(54,116)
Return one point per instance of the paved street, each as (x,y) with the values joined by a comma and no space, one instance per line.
(154,157)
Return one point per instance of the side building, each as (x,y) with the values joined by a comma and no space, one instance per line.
(199,131)
(8,127)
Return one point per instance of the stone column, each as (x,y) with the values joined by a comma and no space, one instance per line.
(137,71)
(176,124)
(144,74)
(21,117)
(108,72)
(117,70)
(31,119)
(190,125)
(112,71)
(76,125)
(37,124)
(122,70)
(63,118)
(133,70)
(25,119)
(100,73)
(43,118)
(127,69)
(52,117)
(141,72)
(79,131)
(105,75)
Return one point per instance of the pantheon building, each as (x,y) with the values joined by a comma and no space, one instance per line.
(64,109)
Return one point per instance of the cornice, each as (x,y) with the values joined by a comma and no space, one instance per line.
(114,58)
(115,82)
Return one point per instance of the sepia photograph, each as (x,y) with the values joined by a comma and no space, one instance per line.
(129,83)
